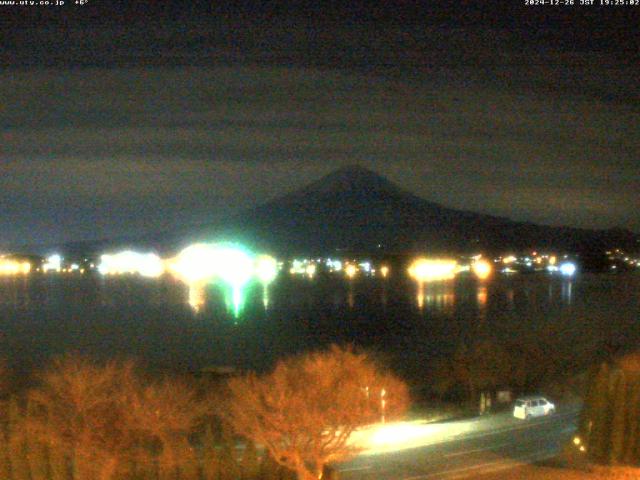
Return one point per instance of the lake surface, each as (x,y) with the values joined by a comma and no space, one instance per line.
(41,316)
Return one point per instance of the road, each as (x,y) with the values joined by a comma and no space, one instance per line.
(462,449)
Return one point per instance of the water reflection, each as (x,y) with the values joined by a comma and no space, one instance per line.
(420,296)
(351,301)
(197,296)
(482,299)
(237,300)
(510,296)
(481,296)
(15,292)
(440,300)
(567,291)
(129,315)
(435,296)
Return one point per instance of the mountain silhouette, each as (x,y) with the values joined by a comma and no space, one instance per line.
(356,210)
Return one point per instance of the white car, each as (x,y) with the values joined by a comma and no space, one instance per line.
(529,407)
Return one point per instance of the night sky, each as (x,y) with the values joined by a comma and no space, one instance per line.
(119,118)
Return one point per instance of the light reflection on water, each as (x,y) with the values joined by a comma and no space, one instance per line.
(351,299)
(481,295)
(21,292)
(420,297)
(197,296)
(567,292)
(42,315)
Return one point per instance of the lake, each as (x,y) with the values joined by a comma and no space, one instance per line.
(45,315)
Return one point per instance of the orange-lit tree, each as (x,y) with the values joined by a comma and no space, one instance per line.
(610,420)
(161,417)
(482,366)
(77,410)
(304,411)
(5,379)
(105,418)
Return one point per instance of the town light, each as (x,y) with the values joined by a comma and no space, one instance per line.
(196,263)
(431,270)
(13,267)
(145,264)
(233,266)
(53,262)
(266,269)
(310,270)
(482,269)
(351,270)
(334,265)
(568,269)
(201,263)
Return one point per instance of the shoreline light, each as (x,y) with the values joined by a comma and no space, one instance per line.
(227,264)
(266,269)
(432,270)
(14,267)
(568,269)
(350,270)
(235,267)
(53,262)
(145,264)
(195,263)
(482,269)
(310,270)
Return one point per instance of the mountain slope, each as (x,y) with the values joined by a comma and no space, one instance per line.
(354,209)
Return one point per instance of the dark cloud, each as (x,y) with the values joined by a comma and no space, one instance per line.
(149,126)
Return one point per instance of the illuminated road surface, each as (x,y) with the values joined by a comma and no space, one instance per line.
(462,449)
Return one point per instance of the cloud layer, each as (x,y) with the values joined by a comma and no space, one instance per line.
(107,151)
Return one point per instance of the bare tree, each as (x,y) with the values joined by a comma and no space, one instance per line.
(106,417)
(5,379)
(77,409)
(483,365)
(163,415)
(304,412)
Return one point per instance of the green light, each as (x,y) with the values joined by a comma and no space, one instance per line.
(237,301)
(235,267)
(229,265)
